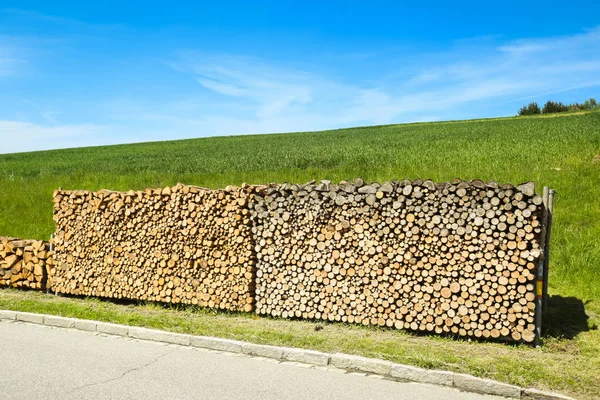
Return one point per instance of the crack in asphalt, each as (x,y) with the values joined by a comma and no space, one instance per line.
(122,375)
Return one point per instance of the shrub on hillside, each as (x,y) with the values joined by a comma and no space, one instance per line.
(530,109)
(557,106)
(554,107)
(589,104)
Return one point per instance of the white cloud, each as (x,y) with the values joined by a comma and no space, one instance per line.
(245,95)
(500,72)
(271,89)
(18,136)
(517,49)
(241,95)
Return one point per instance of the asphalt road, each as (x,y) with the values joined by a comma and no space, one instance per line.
(40,362)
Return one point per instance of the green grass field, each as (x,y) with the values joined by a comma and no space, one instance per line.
(556,150)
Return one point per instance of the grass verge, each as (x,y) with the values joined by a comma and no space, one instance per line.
(569,361)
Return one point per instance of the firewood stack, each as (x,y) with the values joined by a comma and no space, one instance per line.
(24,263)
(457,258)
(180,244)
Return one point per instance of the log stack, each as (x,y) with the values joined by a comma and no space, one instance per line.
(456,258)
(181,244)
(24,263)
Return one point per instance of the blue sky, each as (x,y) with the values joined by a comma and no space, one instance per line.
(89,74)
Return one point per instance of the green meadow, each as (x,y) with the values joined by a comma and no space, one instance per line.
(557,150)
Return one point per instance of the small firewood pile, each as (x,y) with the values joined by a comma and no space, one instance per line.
(181,244)
(23,263)
(457,258)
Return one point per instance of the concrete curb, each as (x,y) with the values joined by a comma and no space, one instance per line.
(471,383)
(346,362)
(415,374)
(362,364)
(534,394)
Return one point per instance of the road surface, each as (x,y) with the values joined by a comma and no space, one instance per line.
(40,362)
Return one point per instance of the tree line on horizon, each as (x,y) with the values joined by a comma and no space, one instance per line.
(556,106)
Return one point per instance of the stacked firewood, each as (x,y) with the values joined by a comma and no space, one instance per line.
(180,244)
(457,258)
(24,263)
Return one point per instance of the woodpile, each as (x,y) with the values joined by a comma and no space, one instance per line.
(457,258)
(180,244)
(454,258)
(24,263)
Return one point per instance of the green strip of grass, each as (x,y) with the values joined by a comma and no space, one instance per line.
(570,364)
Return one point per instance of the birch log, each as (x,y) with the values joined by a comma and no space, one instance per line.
(456,258)
(180,244)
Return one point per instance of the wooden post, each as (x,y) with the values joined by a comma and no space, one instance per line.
(539,286)
(550,211)
(51,247)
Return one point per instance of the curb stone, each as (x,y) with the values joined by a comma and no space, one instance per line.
(362,364)
(305,356)
(534,394)
(85,325)
(30,317)
(262,350)
(8,315)
(112,329)
(488,386)
(59,322)
(232,346)
(158,336)
(335,362)
(415,374)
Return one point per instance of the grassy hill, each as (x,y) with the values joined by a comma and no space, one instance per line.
(556,150)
